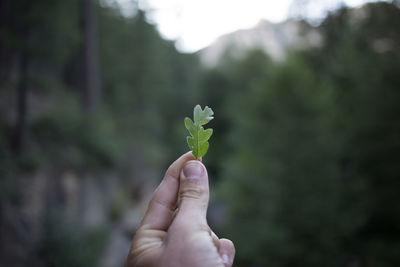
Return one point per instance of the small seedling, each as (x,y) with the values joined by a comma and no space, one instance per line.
(198,141)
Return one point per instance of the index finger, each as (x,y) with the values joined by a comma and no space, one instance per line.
(161,209)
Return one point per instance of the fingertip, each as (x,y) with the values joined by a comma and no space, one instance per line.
(193,170)
(177,165)
(227,251)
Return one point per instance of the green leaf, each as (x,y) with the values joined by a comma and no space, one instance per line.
(198,141)
(202,117)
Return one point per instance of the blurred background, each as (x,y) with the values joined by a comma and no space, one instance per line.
(304,162)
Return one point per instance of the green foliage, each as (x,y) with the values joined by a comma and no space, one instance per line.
(313,160)
(144,76)
(66,243)
(198,141)
(119,204)
(75,139)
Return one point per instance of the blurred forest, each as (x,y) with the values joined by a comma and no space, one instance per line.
(304,161)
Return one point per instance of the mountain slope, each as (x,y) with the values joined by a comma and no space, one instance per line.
(274,38)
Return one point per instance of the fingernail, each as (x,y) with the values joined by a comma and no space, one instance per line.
(225,258)
(193,170)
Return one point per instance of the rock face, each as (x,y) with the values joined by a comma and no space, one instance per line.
(273,38)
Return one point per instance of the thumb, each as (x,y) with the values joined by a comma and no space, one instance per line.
(193,191)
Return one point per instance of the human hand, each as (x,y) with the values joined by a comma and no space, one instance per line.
(180,237)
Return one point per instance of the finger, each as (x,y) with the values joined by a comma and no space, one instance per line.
(226,251)
(215,240)
(161,208)
(193,192)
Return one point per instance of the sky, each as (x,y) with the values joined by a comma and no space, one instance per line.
(195,24)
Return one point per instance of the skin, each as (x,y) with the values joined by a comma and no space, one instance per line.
(174,231)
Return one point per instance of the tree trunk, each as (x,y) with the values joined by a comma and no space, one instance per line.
(91,72)
(20,134)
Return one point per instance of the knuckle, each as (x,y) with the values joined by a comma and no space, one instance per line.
(192,192)
(163,203)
